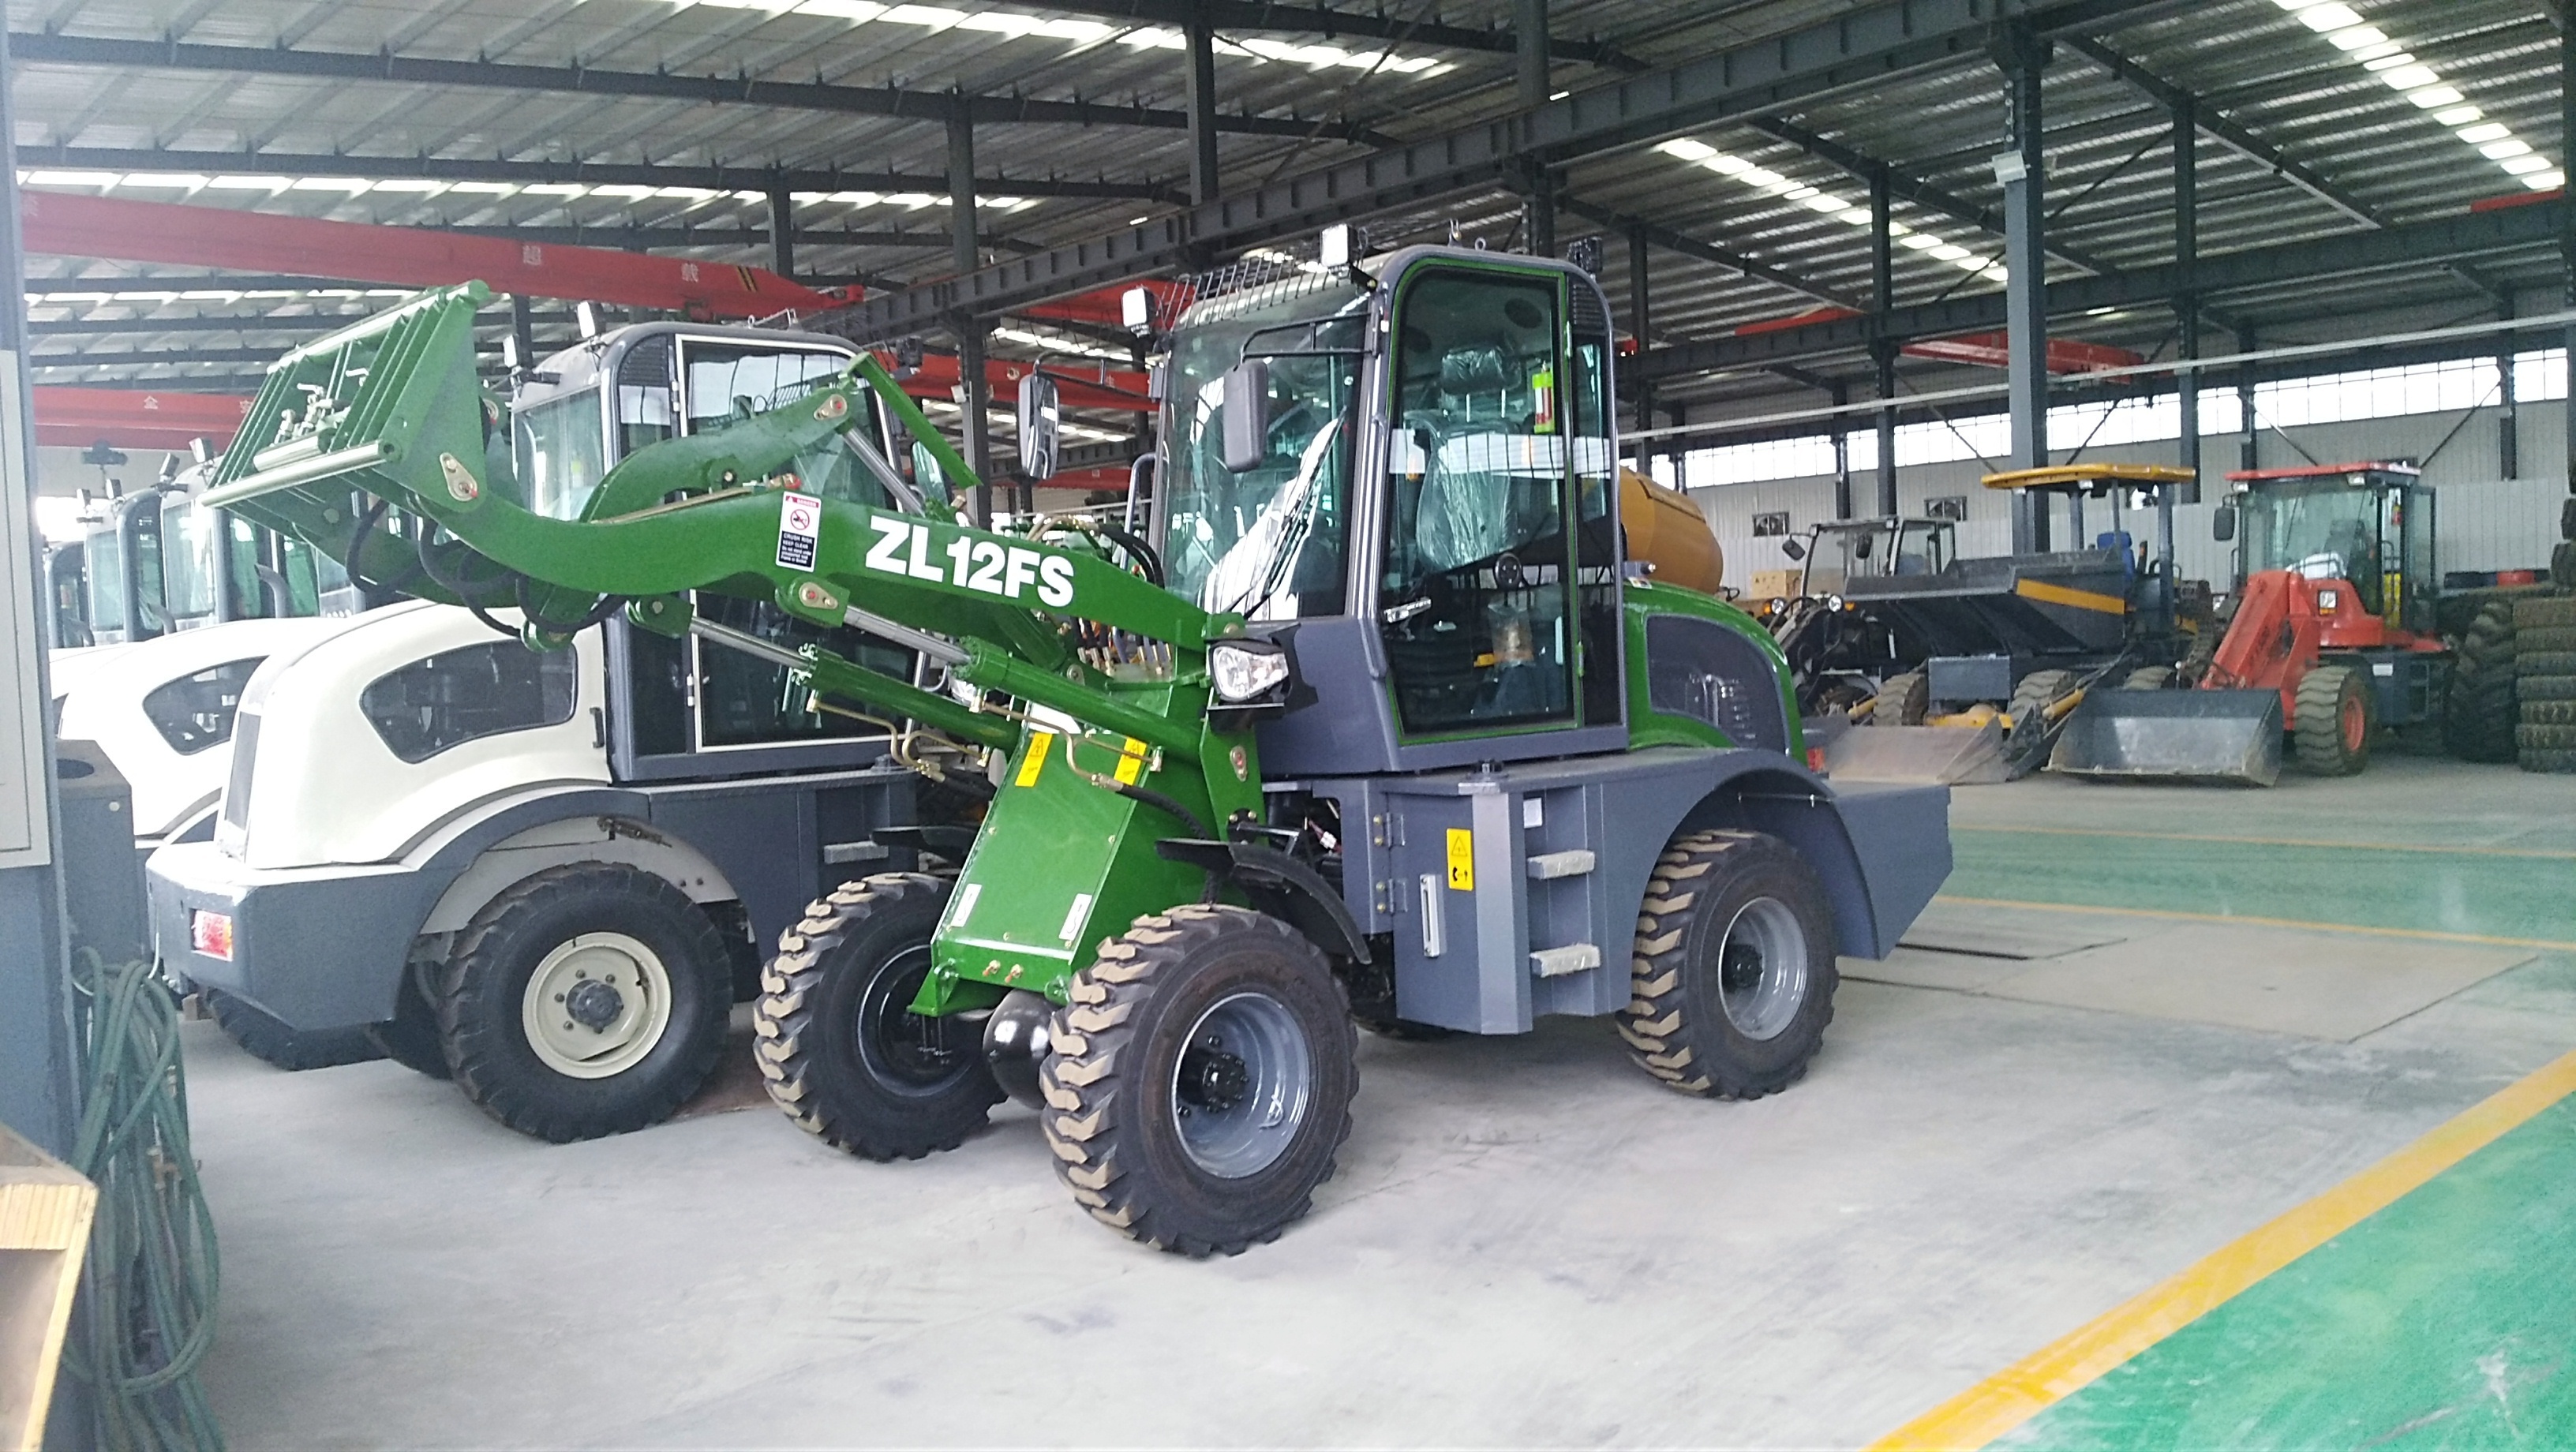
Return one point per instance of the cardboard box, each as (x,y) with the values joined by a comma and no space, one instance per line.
(1772,585)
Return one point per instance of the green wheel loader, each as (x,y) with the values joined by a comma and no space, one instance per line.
(1367,719)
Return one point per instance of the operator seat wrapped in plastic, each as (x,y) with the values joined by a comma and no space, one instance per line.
(1468,509)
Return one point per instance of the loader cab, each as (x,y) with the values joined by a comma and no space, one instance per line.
(2367,523)
(1424,491)
(682,709)
(67,595)
(124,573)
(1840,551)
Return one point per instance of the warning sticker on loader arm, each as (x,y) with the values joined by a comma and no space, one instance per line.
(800,529)
(1462,859)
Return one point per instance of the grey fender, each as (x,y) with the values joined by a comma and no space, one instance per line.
(1882,849)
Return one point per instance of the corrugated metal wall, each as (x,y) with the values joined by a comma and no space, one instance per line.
(2485,522)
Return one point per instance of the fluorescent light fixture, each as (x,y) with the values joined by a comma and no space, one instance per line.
(2388,62)
(857,10)
(1858,217)
(411,184)
(1950,252)
(352,186)
(2505,150)
(1922,242)
(1688,149)
(623,193)
(2434,96)
(1800,192)
(2387,50)
(2328,16)
(2459,115)
(558,189)
(163,179)
(684,194)
(1825,202)
(1764,177)
(1559,95)
(1970,263)
(2408,78)
(488,189)
(248,183)
(2545,181)
(2359,37)
(73,178)
(2484,132)
(2524,165)
(1138,221)
(1727,164)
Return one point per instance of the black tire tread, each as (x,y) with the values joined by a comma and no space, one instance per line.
(1656,1023)
(2545,612)
(2545,663)
(2148,678)
(2545,736)
(2318,736)
(2549,713)
(1903,701)
(2559,762)
(2477,715)
(1081,1077)
(2546,688)
(2553,638)
(268,1039)
(477,1066)
(786,1032)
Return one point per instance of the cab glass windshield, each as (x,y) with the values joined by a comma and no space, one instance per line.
(2331,528)
(187,559)
(559,448)
(1269,542)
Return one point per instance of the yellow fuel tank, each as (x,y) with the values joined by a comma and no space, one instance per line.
(1667,531)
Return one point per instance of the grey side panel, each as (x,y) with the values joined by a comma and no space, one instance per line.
(1901,835)
(1539,927)
(768,838)
(326,948)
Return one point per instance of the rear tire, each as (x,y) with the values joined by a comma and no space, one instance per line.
(1733,975)
(269,1040)
(2477,715)
(2549,761)
(410,1038)
(2544,611)
(840,1051)
(1200,1079)
(587,1000)
(2336,716)
(1903,701)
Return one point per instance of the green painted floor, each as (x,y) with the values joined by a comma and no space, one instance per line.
(2428,889)
(2447,1320)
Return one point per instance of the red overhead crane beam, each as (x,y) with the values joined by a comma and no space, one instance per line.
(76,418)
(64,225)
(1992,350)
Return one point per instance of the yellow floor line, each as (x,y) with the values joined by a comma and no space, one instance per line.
(2426,934)
(2538,852)
(2014,1395)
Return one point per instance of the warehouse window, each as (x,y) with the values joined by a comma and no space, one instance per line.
(2450,386)
(456,696)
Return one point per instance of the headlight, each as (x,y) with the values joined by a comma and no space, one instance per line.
(1244,671)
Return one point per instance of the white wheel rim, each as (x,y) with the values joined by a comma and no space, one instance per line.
(596,1006)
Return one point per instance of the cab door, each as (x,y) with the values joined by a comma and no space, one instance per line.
(1498,591)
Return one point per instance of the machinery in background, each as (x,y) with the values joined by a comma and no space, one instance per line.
(2334,633)
(158,562)
(1375,718)
(1961,670)
(541,874)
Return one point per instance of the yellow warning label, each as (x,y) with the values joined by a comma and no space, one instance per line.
(1462,859)
(1131,762)
(1040,743)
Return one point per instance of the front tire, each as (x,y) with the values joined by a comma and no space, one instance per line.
(269,1040)
(411,1038)
(1199,1080)
(839,1048)
(588,1000)
(1733,979)
(2336,717)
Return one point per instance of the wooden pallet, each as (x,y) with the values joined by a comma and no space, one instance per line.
(45,1209)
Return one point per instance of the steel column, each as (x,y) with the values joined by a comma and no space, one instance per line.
(1642,388)
(1842,453)
(1529,22)
(974,390)
(782,230)
(2509,408)
(1201,89)
(523,329)
(1882,350)
(2186,207)
(2567,222)
(2248,454)
(2022,171)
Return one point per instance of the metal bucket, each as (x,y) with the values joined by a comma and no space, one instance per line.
(2225,737)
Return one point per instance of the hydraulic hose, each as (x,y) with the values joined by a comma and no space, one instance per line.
(150,1278)
(367,520)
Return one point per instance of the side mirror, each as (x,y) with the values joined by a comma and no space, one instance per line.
(1868,542)
(1041,423)
(2222,524)
(1247,415)
(1793,549)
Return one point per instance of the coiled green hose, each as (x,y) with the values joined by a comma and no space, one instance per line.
(148,1285)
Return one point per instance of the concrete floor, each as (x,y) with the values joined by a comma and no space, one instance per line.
(1528,1243)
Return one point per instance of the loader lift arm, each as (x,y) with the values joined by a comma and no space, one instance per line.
(388,415)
